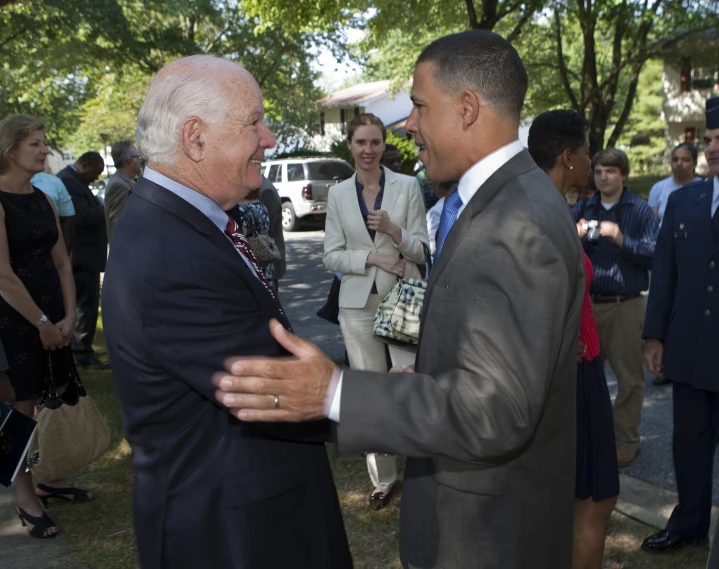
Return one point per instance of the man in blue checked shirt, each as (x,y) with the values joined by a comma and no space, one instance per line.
(619,232)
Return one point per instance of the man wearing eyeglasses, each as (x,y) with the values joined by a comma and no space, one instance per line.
(128,167)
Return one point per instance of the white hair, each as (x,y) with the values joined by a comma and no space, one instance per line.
(184,88)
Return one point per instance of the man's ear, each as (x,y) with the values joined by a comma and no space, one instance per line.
(470,108)
(193,138)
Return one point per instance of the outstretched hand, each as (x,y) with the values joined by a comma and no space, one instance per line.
(290,389)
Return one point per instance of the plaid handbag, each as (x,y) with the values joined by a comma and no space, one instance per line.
(265,249)
(397,320)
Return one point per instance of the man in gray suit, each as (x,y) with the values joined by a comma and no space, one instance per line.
(488,419)
(128,165)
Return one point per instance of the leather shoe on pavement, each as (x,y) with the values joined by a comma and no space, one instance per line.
(93,363)
(665,542)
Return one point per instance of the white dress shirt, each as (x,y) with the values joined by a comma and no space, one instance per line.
(433,217)
(199,201)
(470,182)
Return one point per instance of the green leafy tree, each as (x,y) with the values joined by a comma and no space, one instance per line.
(98,56)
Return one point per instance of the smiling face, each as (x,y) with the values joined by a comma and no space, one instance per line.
(367,147)
(233,149)
(609,180)
(711,150)
(30,153)
(682,165)
(435,121)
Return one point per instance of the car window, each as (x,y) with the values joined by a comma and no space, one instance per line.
(295,173)
(275,174)
(329,170)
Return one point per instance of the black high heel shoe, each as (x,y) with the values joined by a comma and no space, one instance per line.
(40,525)
(70,494)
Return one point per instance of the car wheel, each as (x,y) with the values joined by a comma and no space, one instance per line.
(289,219)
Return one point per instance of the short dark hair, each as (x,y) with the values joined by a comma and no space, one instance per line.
(483,62)
(687,146)
(551,133)
(365,119)
(390,148)
(120,153)
(612,157)
(91,159)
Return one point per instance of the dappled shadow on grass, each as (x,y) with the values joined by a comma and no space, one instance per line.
(623,549)
(373,535)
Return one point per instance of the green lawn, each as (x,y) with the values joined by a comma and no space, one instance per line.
(102,533)
(641,185)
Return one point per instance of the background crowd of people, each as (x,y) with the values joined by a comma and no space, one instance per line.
(492,418)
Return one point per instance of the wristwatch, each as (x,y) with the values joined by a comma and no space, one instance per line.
(43,320)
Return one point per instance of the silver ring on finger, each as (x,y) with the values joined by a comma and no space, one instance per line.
(277,401)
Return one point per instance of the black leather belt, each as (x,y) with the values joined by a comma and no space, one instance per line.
(603,299)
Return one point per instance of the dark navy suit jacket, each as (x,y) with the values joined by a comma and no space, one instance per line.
(683,304)
(210,491)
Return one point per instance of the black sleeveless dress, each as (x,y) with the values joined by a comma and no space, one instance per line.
(31,234)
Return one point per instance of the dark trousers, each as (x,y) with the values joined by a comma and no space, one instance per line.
(87,285)
(696,426)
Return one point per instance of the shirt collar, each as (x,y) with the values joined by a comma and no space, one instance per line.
(124,177)
(483,170)
(200,201)
(715,195)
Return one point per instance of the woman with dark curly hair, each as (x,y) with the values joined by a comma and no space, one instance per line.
(559,144)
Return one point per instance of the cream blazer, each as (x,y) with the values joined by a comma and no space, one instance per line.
(347,242)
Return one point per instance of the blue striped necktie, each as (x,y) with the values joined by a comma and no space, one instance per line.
(449,215)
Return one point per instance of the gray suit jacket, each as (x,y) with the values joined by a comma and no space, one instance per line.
(488,420)
(270,197)
(118,190)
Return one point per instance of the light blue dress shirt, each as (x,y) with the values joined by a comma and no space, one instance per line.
(53,187)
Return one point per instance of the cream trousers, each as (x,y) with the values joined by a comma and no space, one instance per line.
(366,353)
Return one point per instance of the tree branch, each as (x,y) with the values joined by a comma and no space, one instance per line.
(472,14)
(563,71)
(628,103)
(514,34)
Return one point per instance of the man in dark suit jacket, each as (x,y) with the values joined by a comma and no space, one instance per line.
(271,198)
(488,420)
(88,254)
(682,333)
(181,295)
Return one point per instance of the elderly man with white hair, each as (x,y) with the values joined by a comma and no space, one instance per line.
(182,293)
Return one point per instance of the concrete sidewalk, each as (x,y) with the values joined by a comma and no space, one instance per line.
(648,503)
(20,551)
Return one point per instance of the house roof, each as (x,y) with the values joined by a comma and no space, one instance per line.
(707,34)
(355,95)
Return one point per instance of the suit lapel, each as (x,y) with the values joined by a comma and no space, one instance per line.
(520,163)
(354,212)
(165,199)
(703,204)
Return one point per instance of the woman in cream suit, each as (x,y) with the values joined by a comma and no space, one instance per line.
(374,233)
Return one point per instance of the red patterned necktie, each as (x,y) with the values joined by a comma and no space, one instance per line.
(232,230)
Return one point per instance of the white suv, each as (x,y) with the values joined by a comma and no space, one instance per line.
(303,184)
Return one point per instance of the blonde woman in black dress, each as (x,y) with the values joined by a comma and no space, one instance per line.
(37,297)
